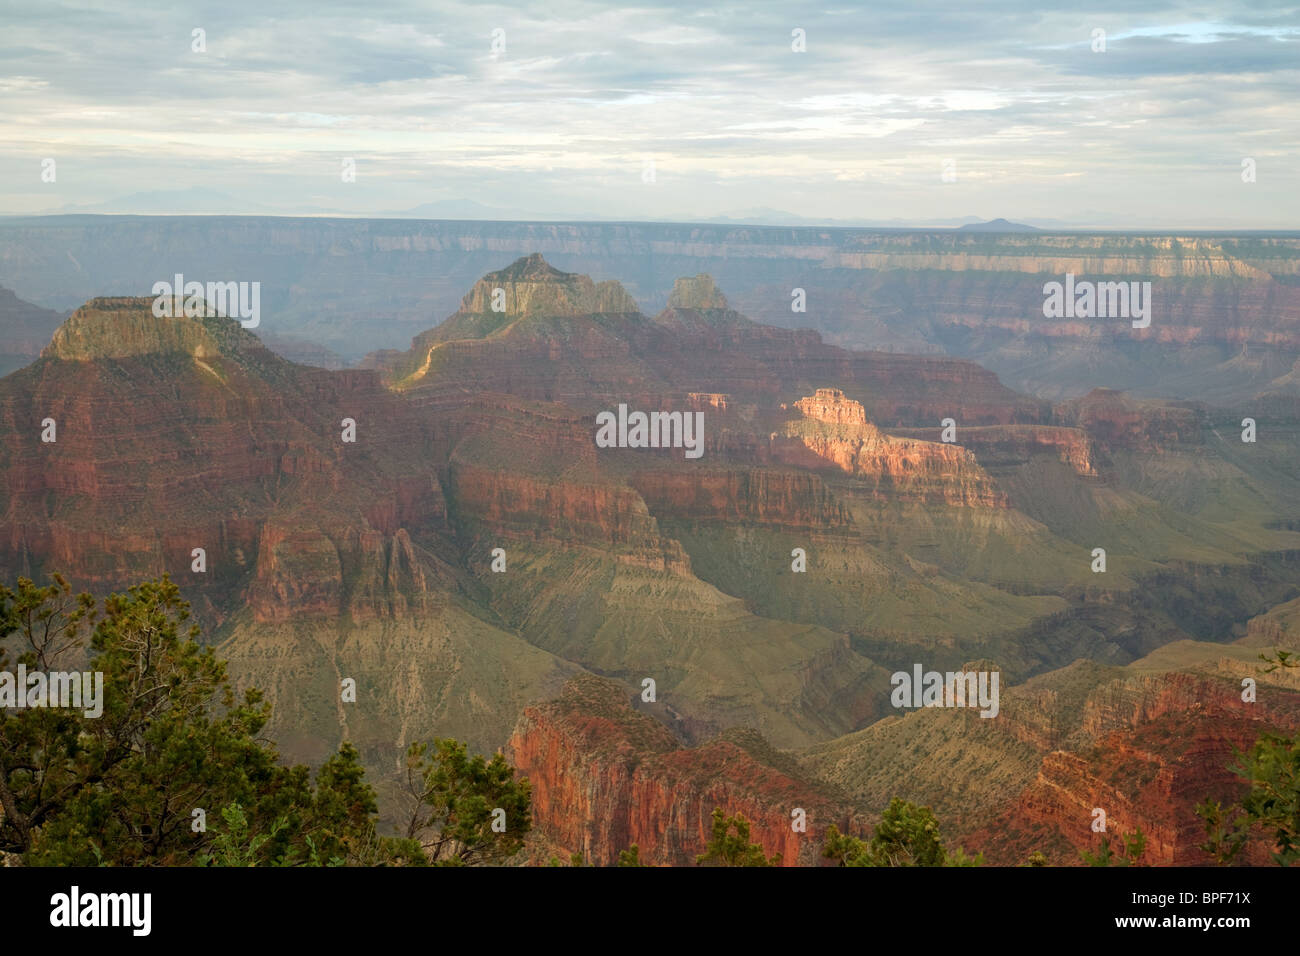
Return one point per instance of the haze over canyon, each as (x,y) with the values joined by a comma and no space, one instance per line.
(917,470)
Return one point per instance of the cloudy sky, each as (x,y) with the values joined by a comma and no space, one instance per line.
(684,111)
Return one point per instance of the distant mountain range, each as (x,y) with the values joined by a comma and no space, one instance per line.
(1225,326)
(998,225)
(206,201)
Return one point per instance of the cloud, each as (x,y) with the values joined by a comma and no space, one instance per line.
(855,127)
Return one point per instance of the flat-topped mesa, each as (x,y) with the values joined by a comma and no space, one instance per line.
(697,292)
(532,286)
(125,326)
(832,406)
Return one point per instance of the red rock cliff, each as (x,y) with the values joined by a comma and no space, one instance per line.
(605,776)
(835,433)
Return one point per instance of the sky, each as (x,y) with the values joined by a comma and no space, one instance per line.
(909,112)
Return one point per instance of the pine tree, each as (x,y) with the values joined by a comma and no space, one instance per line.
(173,745)
(728,849)
(465,810)
(907,835)
(630,857)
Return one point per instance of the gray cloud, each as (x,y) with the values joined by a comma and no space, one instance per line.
(1151,132)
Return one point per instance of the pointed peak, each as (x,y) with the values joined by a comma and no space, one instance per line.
(697,292)
(124,326)
(532,286)
(530,268)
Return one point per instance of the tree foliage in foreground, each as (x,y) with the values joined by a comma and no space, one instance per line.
(1132,846)
(174,772)
(1271,806)
(907,835)
(467,810)
(726,848)
(630,857)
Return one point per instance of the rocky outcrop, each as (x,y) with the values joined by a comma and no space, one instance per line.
(365,575)
(530,470)
(1147,750)
(1145,744)
(829,406)
(835,432)
(589,361)
(605,777)
(1280,627)
(566,511)
(1140,700)
(1004,445)
(1149,780)
(697,292)
(115,328)
(531,286)
(1118,421)
(702,401)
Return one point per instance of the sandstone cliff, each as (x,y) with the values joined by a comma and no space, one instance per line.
(1004,445)
(605,776)
(835,432)
(1143,743)
(115,328)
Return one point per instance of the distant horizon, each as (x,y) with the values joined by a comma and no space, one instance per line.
(709,221)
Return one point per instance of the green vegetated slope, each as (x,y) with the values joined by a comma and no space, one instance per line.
(445,669)
(1192,551)
(714,663)
(592,578)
